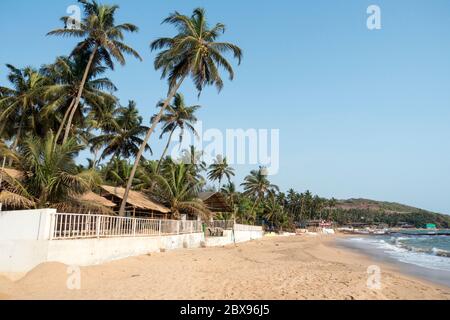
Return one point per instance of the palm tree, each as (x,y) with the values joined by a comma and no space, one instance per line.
(220,169)
(51,177)
(122,133)
(231,194)
(66,74)
(177,116)
(258,185)
(21,103)
(192,52)
(7,130)
(331,204)
(193,157)
(176,190)
(307,200)
(274,211)
(117,172)
(317,205)
(102,38)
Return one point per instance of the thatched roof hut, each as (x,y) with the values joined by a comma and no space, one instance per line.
(137,202)
(215,202)
(93,197)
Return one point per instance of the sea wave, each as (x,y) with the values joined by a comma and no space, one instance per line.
(441,252)
(411,244)
(398,249)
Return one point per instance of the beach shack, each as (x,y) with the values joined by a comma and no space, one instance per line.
(430,226)
(93,197)
(317,225)
(138,204)
(215,202)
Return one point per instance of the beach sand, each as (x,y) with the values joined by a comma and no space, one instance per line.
(297,267)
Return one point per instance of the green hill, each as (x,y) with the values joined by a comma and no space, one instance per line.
(391,213)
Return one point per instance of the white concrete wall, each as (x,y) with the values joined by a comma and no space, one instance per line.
(24,243)
(243,236)
(25,224)
(88,252)
(18,256)
(23,255)
(230,237)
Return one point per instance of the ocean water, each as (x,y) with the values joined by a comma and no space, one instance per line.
(422,255)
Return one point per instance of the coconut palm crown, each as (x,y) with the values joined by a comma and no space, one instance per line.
(101,37)
(178,116)
(193,52)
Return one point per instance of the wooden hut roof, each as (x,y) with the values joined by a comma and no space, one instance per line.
(205,195)
(93,197)
(136,199)
(215,201)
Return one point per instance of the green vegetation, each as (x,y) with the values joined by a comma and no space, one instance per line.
(49,114)
(392,214)
(192,52)
(51,177)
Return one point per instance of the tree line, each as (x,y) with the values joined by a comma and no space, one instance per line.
(48,115)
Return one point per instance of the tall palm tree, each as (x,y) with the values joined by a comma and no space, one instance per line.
(257,185)
(177,191)
(67,74)
(193,52)
(220,169)
(177,116)
(20,104)
(122,133)
(307,204)
(102,38)
(51,177)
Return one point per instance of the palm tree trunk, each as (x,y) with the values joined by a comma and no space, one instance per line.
(165,151)
(254,205)
(80,93)
(61,127)
(172,93)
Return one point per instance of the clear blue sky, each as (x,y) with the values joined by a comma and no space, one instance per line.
(361,113)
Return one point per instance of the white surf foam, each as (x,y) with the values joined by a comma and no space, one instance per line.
(407,255)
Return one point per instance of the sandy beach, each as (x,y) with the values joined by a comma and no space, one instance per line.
(298,267)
